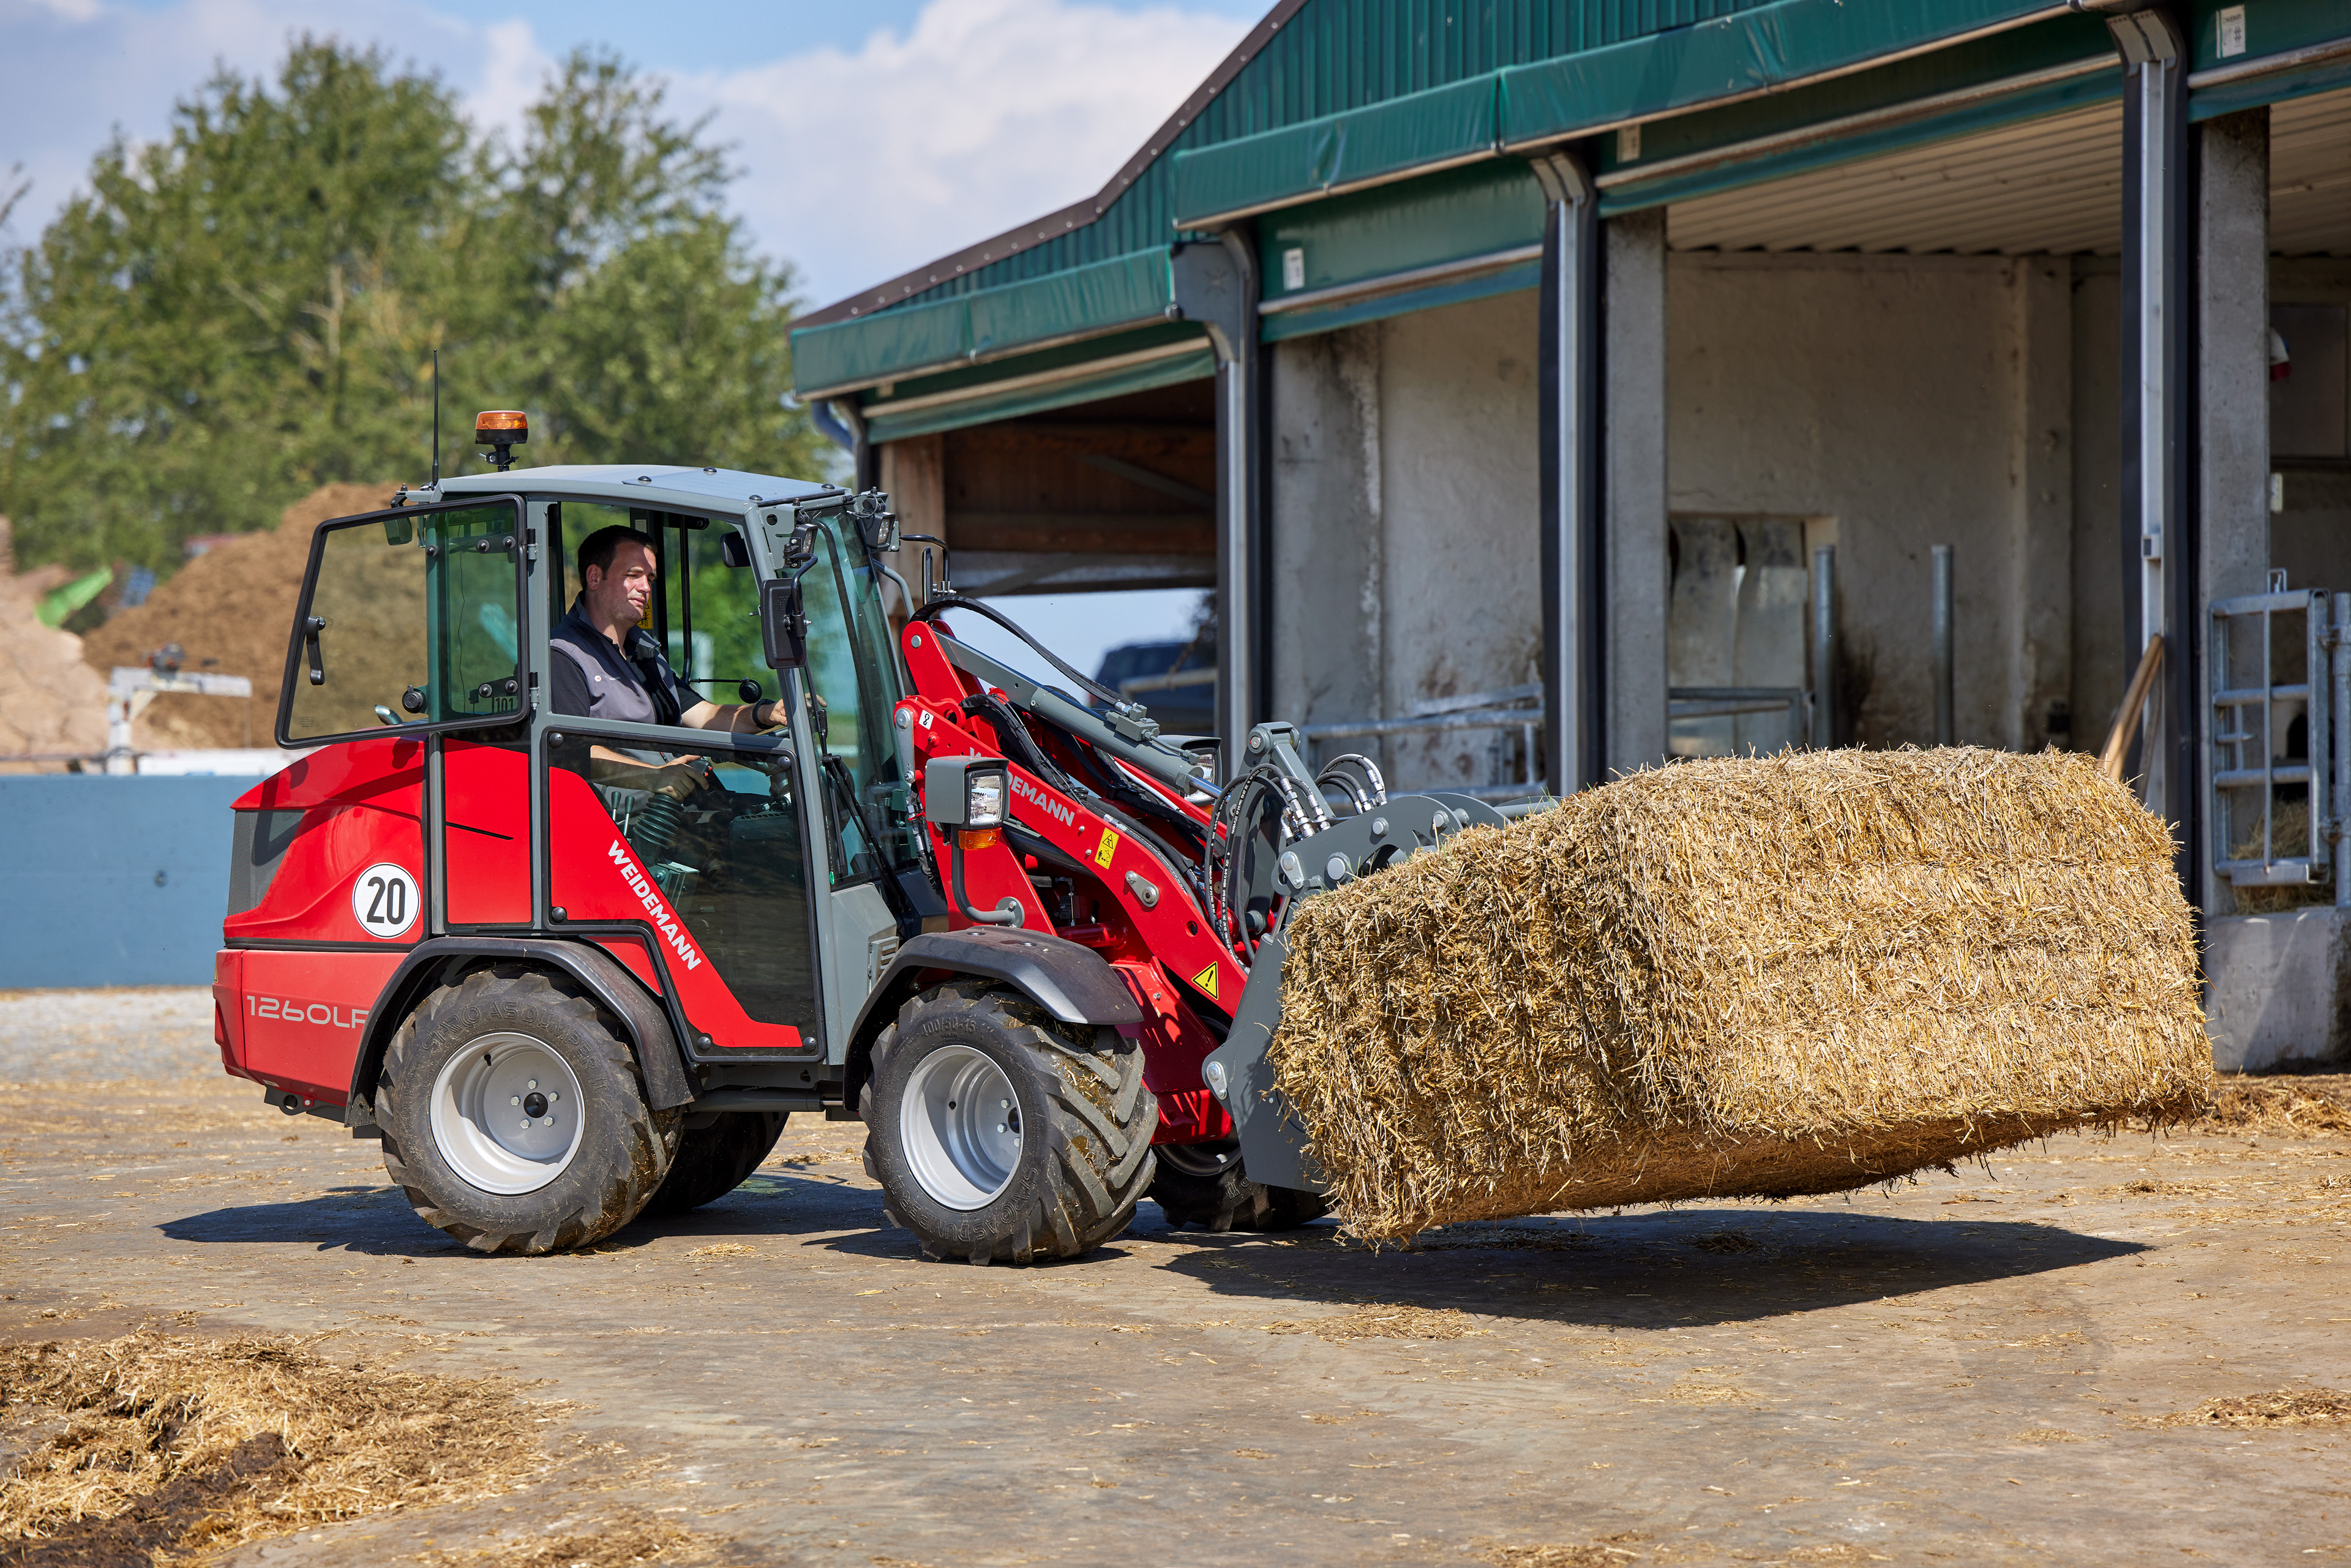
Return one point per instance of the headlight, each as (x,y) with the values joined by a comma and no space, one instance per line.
(983,799)
(967,792)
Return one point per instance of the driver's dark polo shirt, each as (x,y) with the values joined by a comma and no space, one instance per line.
(594,679)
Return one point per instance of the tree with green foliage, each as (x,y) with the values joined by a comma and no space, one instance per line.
(249,307)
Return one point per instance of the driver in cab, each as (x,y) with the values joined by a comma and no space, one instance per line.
(606,665)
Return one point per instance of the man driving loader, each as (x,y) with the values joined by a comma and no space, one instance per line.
(611,668)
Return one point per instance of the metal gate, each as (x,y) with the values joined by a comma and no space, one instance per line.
(2280,672)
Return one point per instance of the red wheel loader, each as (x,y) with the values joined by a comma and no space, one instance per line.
(1030,942)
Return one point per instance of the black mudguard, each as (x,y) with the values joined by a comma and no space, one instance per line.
(644,1016)
(1072,983)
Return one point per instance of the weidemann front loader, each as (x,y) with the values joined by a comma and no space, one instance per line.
(1030,942)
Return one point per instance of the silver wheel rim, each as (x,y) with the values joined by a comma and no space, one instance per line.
(959,1124)
(506,1113)
(1199,1159)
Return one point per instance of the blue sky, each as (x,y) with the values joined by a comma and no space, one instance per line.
(872,134)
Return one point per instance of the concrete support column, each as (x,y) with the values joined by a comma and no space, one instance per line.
(1216,285)
(2232,378)
(2159,528)
(1633,487)
(1330,645)
(2041,463)
(1568,359)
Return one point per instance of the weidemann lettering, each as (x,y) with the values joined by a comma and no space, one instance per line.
(665,922)
(1028,791)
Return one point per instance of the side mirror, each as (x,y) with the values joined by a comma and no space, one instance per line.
(782,628)
(734,551)
(399,531)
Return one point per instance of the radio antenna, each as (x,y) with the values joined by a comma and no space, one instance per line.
(437,421)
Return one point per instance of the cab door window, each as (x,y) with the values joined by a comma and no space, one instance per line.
(409,617)
(852,690)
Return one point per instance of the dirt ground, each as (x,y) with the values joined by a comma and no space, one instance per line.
(2016,1364)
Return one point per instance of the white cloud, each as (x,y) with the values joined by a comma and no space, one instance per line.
(78,70)
(859,164)
(513,70)
(982,115)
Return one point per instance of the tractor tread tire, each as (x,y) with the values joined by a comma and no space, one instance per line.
(1093,1165)
(1230,1200)
(713,1161)
(614,1179)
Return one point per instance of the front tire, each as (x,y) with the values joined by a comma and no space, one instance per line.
(999,1135)
(512,1115)
(714,1160)
(1206,1184)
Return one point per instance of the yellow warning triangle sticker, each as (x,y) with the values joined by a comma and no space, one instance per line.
(1206,980)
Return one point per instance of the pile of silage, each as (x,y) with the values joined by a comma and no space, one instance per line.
(1744,977)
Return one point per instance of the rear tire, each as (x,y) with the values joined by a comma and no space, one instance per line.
(714,1160)
(1206,1184)
(999,1135)
(574,1164)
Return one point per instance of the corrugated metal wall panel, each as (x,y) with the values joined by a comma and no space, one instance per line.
(2310,176)
(2053,184)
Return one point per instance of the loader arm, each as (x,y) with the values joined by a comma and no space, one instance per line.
(1117,841)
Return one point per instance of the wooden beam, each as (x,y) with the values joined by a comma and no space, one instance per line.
(1086,533)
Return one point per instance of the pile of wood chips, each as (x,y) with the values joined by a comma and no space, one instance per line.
(1743,978)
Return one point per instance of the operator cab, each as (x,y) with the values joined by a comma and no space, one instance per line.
(729,887)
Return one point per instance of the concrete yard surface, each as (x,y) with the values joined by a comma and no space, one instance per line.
(2013,1365)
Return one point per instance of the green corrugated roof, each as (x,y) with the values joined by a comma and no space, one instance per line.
(1327,95)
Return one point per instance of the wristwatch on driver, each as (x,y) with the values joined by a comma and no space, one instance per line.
(770,705)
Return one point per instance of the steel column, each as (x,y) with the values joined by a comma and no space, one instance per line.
(1568,357)
(1216,285)
(2158,527)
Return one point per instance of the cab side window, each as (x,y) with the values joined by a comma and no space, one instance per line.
(705,614)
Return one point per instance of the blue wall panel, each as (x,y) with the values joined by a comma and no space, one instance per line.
(114,882)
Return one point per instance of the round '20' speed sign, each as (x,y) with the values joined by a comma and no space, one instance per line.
(385,900)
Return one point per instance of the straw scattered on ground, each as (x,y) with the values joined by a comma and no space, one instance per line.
(2303,1106)
(1608,1551)
(620,1540)
(2286,1407)
(1743,978)
(164,1446)
(1382,1322)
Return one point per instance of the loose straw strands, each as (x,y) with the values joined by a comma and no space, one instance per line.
(1804,973)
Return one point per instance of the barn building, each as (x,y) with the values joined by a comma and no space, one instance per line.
(1553,389)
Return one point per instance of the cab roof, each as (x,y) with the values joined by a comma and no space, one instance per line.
(657,486)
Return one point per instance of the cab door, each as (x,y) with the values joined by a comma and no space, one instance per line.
(704,889)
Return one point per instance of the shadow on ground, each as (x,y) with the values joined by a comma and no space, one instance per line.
(1702,1266)
(378,1221)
